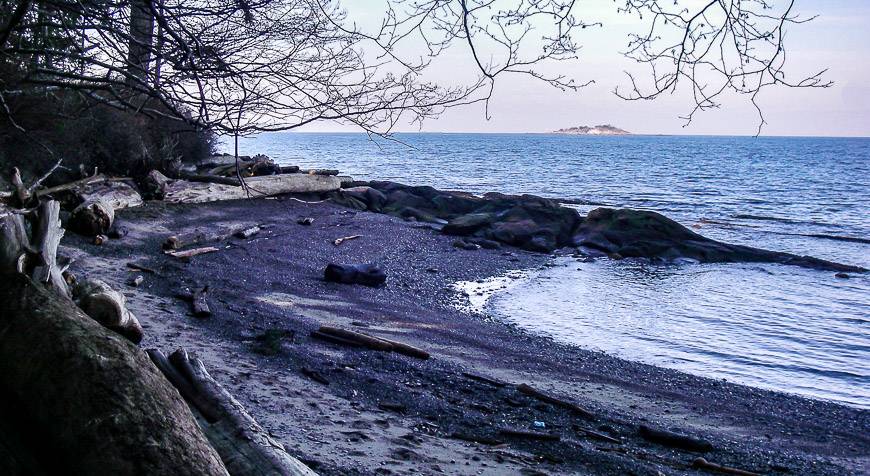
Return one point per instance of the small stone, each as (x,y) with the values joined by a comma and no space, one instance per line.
(307,221)
(842,276)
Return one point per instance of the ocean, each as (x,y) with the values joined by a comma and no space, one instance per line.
(778,327)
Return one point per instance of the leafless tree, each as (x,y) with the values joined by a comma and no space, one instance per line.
(246,66)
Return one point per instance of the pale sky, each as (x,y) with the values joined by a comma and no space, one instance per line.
(838,40)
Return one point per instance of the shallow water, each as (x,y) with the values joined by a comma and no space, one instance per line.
(773,326)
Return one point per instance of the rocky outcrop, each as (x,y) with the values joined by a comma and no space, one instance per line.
(539,224)
(646,234)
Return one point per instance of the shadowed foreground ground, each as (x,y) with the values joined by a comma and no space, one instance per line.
(351,411)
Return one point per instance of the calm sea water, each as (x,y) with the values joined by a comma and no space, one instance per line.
(772,326)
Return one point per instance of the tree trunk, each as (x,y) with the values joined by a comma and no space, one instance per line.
(141,38)
(81,399)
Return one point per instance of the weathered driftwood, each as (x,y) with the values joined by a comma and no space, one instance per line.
(108,307)
(140,267)
(83,399)
(345,238)
(187,254)
(93,217)
(371,342)
(116,194)
(701,463)
(528,390)
(247,232)
(182,191)
(198,237)
(33,254)
(362,339)
(674,440)
(244,446)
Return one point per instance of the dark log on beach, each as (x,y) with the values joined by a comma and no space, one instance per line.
(83,399)
(701,463)
(235,182)
(527,390)
(533,435)
(92,218)
(141,267)
(674,440)
(476,439)
(289,169)
(362,339)
(372,342)
(486,380)
(244,446)
(200,305)
(405,349)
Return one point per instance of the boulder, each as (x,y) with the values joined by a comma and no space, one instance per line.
(365,274)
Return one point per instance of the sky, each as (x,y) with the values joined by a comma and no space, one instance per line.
(838,40)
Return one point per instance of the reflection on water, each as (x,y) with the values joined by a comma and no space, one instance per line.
(760,325)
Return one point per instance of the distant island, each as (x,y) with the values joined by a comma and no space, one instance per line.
(604,130)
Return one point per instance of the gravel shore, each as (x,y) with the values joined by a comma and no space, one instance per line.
(347,411)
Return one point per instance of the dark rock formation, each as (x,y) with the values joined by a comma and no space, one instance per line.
(645,234)
(539,224)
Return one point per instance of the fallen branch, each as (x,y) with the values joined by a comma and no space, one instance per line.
(139,267)
(313,375)
(198,237)
(93,179)
(476,439)
(362,339)
(374,343)
(346,238)
(527,390)
(597,435)
(186,254)
(701,463)
(674,440)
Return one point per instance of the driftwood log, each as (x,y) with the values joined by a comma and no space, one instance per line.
(115,193)
(364,340)
(183,191)
(108,307)
(33,254)
(93,217)
(532,392)
(244,446)
(78,398)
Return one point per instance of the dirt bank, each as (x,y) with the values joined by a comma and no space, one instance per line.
(347,410)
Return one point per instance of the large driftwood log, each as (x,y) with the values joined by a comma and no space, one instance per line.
(84,400)
(93,217)
(182,191)
(116,194)
(244,446)
(108,307)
